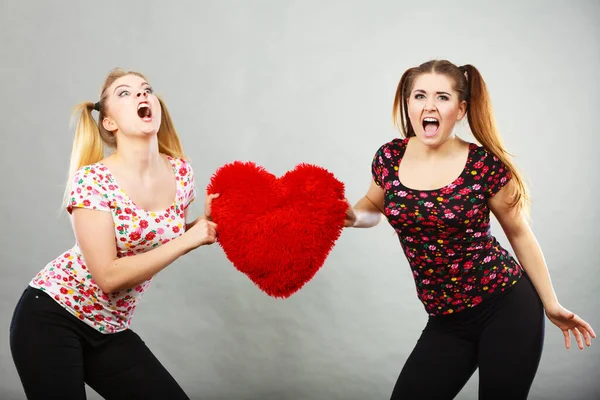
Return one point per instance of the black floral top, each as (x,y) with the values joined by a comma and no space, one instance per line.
(445,233)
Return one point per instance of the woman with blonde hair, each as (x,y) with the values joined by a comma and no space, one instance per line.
(485,306)
(129,210)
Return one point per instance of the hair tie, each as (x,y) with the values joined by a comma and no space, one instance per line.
(97,106)
(463,69)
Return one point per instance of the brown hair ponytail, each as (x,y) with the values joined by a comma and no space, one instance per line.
(483,126)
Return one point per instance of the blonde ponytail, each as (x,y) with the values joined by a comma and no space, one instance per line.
(88,147)
(168,139)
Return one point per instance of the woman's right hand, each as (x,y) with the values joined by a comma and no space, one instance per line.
(350,219)
(203,232)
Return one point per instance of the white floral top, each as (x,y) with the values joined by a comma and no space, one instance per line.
(66,278)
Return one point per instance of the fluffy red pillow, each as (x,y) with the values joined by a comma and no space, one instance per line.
(277,231)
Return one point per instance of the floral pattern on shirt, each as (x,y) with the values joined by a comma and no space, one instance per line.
(446,233)
(67,279)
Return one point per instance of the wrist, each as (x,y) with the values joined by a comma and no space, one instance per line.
(183,244)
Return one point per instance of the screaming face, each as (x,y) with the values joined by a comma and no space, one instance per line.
(434,108)
(132,108)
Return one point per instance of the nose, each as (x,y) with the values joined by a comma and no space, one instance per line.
(143,93)
(430,105)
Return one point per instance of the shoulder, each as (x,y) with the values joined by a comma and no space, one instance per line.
(89,188)
(391,149)
(184,174)
(182,166)
(91,176)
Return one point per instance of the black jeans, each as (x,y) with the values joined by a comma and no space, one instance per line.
(55,354)
(503,337)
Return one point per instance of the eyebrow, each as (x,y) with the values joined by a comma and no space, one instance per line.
(422,91)
(124,85)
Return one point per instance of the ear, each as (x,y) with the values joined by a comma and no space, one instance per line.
(462,110)
(108,124)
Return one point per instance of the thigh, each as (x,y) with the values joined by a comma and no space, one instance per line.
(124,368)
(438,367)
(511,345)
(46,349)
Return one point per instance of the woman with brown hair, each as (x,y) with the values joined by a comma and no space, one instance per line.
(485,306)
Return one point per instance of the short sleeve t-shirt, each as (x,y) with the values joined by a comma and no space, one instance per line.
(445,234)
(67,279)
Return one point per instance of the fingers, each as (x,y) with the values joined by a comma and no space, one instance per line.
(586,336)
(567,339)
(585,329)
(577,335)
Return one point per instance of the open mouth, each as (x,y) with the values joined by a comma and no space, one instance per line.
(430,126)
(144,111)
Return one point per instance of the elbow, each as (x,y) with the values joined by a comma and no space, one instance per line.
(106,285)
(105,281)
(518,235)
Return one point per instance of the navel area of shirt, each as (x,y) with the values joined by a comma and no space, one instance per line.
(67,280)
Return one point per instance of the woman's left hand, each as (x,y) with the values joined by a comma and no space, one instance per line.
(568,322)
(208,205)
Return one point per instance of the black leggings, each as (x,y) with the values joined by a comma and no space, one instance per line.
(55,354)
(504,337)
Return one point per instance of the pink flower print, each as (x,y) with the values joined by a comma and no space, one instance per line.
(423,195)
(428,204)
(487,259)
(432,247)
(402,193)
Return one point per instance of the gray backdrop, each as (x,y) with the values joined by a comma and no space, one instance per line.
(281,82)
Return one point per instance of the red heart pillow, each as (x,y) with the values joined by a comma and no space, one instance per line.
(277,231)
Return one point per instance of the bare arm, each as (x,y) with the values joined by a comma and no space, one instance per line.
(528,252)
(525,245)
(369,209)
(94,232)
